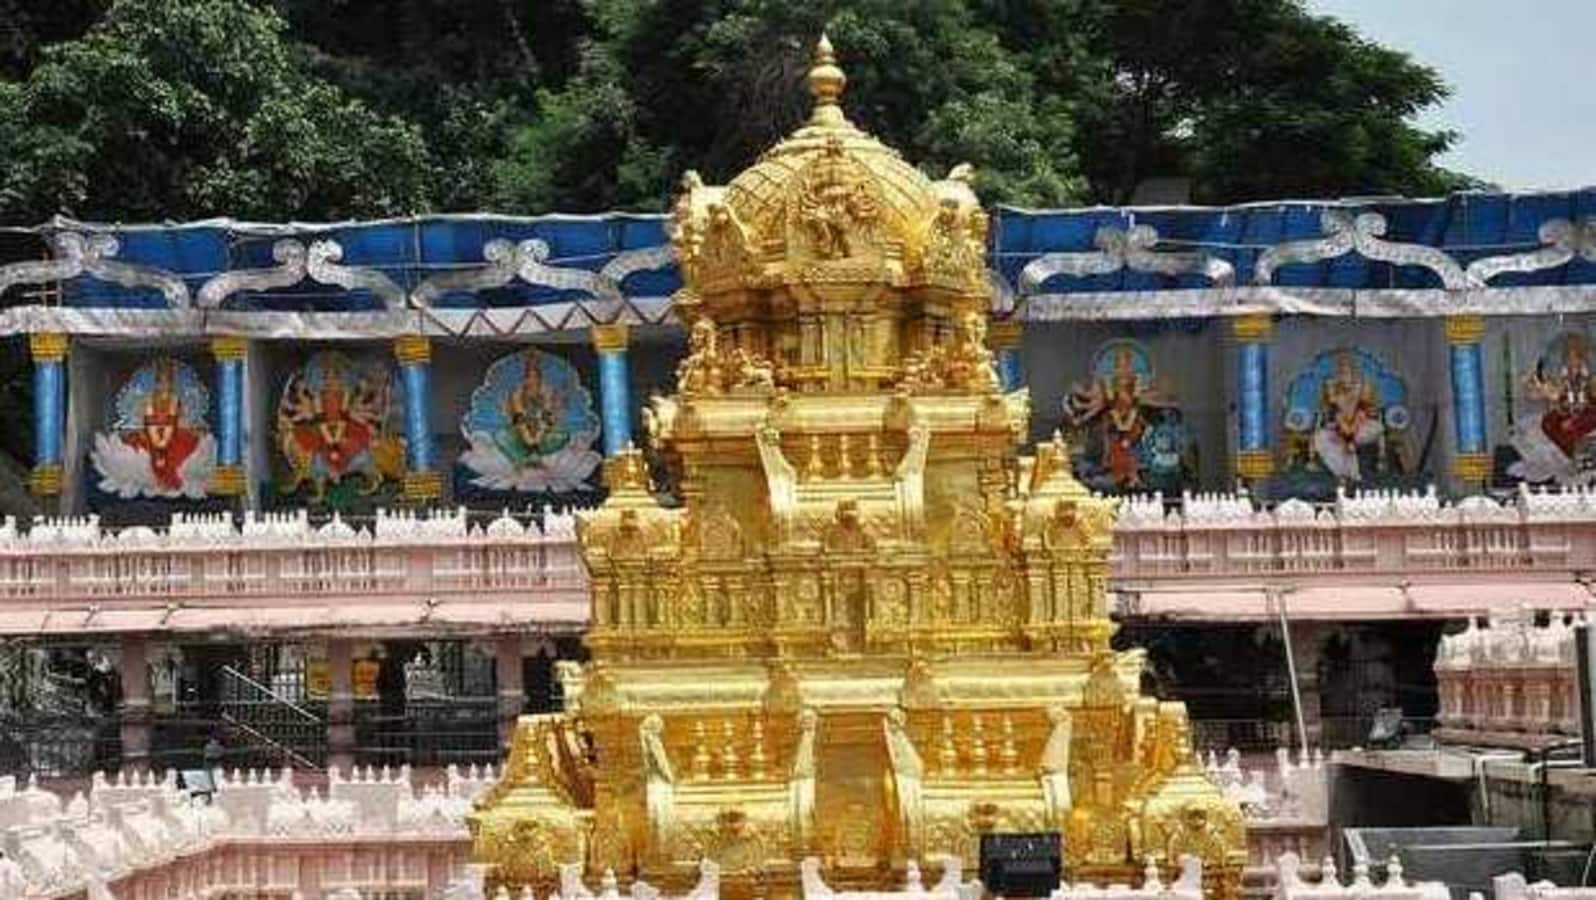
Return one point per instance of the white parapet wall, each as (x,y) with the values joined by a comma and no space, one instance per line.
(1513,886)
(379,831)
(142,837)
(1291,885)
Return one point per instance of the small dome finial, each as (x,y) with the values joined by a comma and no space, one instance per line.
(826,79)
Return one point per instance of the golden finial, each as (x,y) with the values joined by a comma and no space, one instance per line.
(826,81)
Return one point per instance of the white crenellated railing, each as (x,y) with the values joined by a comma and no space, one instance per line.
(1290,884)
(284,555)
(1513,886)
(143,837)
(1210,556)
(1510,684)
(1372,532)
(1286,806)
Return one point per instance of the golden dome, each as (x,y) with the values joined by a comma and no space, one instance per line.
(822,152)
(829,205)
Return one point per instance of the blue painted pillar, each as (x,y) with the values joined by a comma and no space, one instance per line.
(615,386)
(1254,458)
(49,350)
(228,477)
(1471,458)
(413,352)
(1003,336)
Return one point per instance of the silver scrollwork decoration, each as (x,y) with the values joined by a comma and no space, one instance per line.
(93,254)
(295,263)
(1133,249)
(1561,241)
(1364,234)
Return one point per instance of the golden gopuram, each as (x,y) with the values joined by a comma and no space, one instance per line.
(869,631)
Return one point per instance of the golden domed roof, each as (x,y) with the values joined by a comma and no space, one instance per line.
(907,199)
(830,205)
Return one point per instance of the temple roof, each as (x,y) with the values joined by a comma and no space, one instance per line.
(489,276)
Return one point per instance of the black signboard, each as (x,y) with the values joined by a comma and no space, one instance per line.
(1022,865)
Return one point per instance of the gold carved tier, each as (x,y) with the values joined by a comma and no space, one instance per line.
(868,631)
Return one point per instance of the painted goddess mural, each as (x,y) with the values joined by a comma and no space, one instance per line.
(1556,444)
(1133,435)
(335,422)
(1347,417)
(530,427)
(157,443)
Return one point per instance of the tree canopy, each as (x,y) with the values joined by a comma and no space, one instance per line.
(157,109)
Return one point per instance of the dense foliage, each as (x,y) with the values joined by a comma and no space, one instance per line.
(155,109)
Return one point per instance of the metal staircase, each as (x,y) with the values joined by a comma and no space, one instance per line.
(273,725)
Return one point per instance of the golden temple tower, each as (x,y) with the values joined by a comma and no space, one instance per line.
(870,632)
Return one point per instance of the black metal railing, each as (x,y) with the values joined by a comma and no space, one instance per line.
(459,730)
(52,746)
(1256,735)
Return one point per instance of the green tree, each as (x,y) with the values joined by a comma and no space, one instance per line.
(709,84)
(174,108)
(466,72)
(1056,101)
(191,108)
(1250,99)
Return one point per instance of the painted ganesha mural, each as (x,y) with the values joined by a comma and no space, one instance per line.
(337,428)
(530,427)
(157,442)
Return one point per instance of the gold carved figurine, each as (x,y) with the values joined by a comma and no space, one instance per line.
(870,632)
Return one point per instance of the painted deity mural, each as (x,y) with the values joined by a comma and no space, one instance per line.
(336,428)
(530,427)
(1555,443)
(157,442)
(1347,423)
(1130,434)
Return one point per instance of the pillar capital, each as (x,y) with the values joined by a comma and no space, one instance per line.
(48,346)
(1255,464)
(1472,468)
(45,479)
(229,348)
(423,485)
(227,480)
(1253,327)
(1466,329)
(611,338)
(412,349)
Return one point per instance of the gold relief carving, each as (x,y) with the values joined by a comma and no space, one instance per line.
(767,674)
(919,686)
(846,533)
(710,368)
(964,364)
(837,207)
(955,252)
